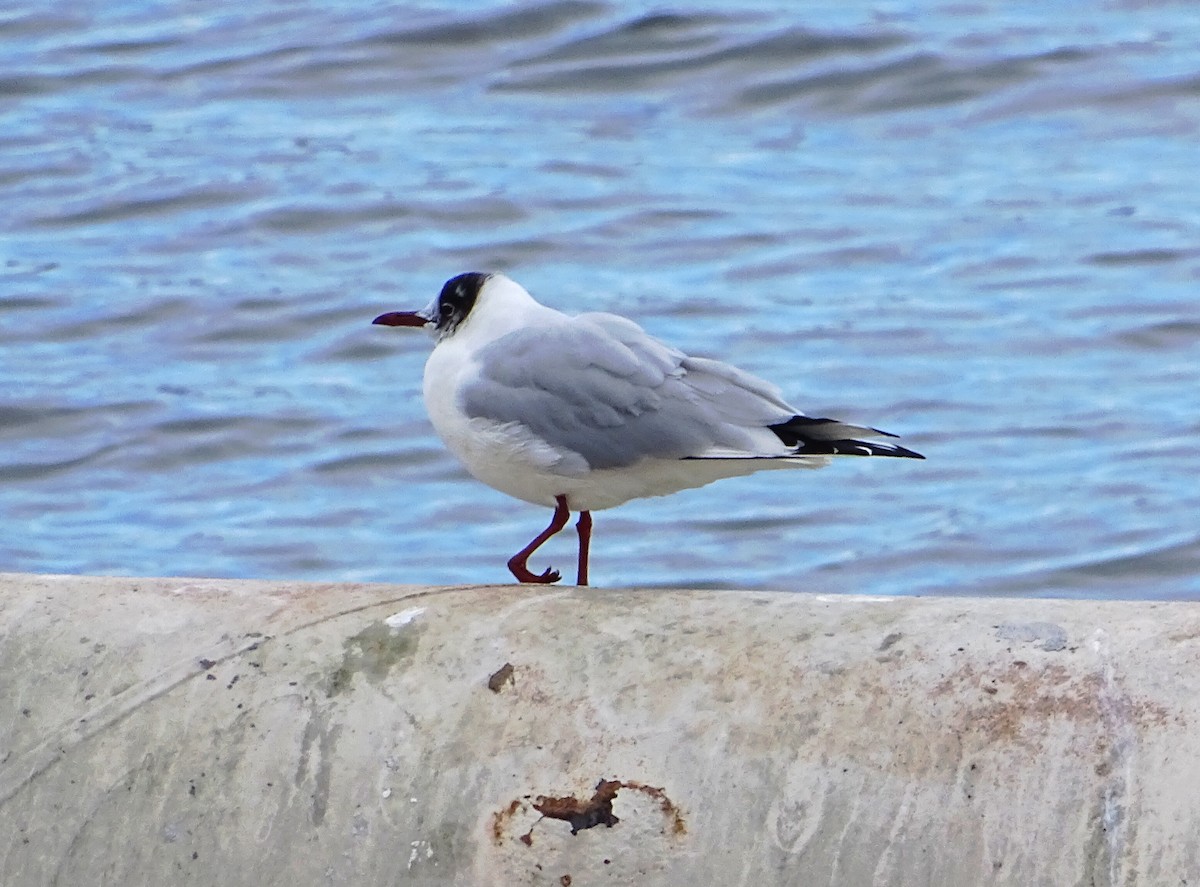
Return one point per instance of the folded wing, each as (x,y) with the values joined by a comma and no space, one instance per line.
(599,386)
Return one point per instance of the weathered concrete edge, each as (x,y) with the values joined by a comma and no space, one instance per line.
(855,735)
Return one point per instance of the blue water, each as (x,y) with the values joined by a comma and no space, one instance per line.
(974,225)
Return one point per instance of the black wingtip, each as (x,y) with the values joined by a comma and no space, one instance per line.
(850,447)
(820,437)
(905,452)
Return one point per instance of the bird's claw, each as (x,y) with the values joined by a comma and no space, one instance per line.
(524,574)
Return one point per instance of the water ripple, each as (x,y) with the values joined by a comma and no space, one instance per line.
(971,225)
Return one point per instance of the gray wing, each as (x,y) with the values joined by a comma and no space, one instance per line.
(599,386)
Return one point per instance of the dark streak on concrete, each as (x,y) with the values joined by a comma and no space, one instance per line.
(889,640)
(373,653)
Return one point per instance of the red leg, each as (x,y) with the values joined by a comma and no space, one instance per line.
(518,563)
(585,540)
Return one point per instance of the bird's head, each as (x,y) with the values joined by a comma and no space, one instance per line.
(445,313)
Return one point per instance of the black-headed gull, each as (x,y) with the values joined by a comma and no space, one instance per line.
(587,412)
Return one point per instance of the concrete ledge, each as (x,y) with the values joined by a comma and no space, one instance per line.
(170,731)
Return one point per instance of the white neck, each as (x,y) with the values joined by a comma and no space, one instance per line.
(503,305)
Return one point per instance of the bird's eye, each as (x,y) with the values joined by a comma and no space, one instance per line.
(446,309)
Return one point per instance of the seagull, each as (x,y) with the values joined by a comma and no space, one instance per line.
(585,412)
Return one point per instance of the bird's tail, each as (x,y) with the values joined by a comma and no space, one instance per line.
(829,437)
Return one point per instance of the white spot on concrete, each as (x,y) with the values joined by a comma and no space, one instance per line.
(212,587)
(1050,636)
(387,793)
(416,852)
(192,589)
(401,619)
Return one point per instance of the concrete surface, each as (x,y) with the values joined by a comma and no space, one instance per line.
(171,731)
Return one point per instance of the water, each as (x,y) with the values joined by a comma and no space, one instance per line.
(975,226)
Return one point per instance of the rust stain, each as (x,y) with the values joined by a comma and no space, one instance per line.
(595,811)
(588,812)
(500,818)
(500,677)
(665,804)
(1020,699)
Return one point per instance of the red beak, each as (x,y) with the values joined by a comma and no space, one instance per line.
(401,318)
